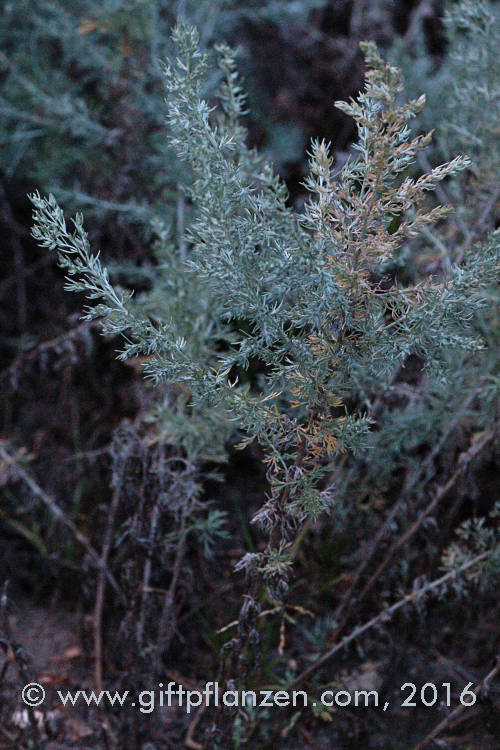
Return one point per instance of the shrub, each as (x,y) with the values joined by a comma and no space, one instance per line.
(304,332)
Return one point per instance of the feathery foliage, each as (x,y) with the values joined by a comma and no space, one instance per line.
(305,299)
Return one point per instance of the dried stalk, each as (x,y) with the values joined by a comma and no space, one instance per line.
(450,719)
(386,613)
(464,460)
(56,512)
(101,584)
(20,662)
(147,571)
(410,485)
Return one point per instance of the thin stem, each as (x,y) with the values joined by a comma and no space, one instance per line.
(463,461)
(386,613)
(459,709)
(410,485)
(101,585)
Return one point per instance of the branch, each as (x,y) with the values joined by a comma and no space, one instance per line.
(483,685)
(410,485)
(386,613)
(43,346)
(101,585)
(56,512)
(464,460)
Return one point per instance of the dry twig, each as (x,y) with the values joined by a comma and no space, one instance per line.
(422,473)
(464,460)
(386,614)
(450,719)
